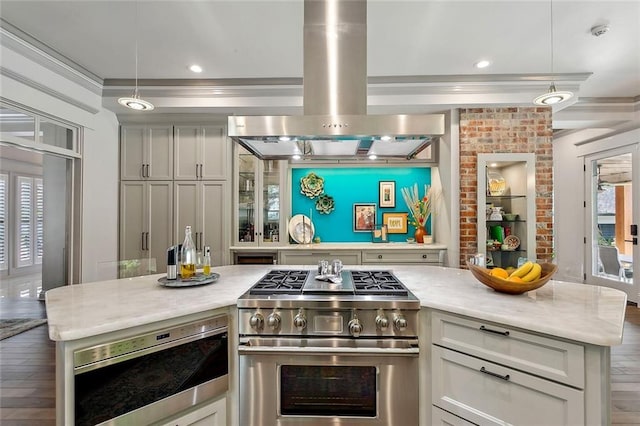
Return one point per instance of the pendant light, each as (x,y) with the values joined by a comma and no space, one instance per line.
(553,96)
(135,102)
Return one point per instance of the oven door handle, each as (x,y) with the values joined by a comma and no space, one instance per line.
(245,349)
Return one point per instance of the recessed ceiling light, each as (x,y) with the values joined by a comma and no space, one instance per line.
(482,64)
(284,138)
(195,68)
(372,157)
(295,156)
(385,138)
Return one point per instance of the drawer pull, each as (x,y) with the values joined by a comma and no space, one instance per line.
(491,373)
(488,330)
(424,256)
(379,256)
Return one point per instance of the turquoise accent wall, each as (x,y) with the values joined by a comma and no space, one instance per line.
(354,185)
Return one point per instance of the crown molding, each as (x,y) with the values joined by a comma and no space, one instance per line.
(47,90)
(28,46)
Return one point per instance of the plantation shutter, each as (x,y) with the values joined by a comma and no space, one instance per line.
(4,244)
(25,221)
(39,220)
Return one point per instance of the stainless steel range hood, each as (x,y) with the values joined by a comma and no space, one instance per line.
(335,123)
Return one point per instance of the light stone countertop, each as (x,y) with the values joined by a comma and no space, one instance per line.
(579,312)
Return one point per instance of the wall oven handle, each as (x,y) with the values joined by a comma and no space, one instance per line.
(245,349)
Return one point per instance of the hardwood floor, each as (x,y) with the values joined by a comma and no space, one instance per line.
(625,373)
(27,371)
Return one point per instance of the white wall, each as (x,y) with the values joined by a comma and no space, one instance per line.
(40,89)
(569,197)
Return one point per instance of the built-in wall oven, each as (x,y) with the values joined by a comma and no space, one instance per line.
(149,377)
(328,353)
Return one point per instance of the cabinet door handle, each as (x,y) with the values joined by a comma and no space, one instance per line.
(491,373)
(146,240)
(142,241)
(201,171)
(488,330)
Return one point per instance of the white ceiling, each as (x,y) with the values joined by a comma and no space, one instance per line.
(436,41)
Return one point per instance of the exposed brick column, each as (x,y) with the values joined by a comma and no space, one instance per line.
(506,130)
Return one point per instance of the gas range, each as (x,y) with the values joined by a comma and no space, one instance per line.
(357,304)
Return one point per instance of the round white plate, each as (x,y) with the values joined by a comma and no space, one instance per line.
(301,229)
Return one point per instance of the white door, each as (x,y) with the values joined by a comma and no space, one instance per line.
(612,180)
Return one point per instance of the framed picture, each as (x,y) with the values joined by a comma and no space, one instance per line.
(387,193)
(364,217)
(396,222)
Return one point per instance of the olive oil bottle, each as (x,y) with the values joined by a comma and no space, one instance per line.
(206,268)
(187,256)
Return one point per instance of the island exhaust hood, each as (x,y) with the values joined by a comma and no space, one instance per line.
(335,123)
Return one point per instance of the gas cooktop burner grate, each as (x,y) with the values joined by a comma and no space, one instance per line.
(281,282)
(377,282)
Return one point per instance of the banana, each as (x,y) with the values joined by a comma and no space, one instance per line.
(534,274)
(523,270)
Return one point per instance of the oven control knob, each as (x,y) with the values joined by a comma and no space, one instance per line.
(256,321)
(400,322)
(300,321)
(355,327)
(382,322)
(273,321)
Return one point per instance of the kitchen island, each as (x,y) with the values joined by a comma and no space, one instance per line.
(583,320)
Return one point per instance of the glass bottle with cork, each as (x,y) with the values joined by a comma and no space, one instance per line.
(187,256)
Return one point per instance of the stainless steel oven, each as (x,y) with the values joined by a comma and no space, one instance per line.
(342,351)
(146,378)
(328,382)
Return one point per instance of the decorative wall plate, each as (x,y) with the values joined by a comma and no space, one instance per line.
(301,229)
(512,242)
(325,204)
(312,185)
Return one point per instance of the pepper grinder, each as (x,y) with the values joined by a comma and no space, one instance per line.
(172,269)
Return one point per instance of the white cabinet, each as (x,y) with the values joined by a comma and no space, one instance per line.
(440,417)
(311,257)
(260,218)
(200,153)
(212,414)
(519,197)
(395,257)
(146,152)
(201,205)
(490,374)
(146,221)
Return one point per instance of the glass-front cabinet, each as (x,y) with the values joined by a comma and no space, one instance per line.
(506,208)
(258,187)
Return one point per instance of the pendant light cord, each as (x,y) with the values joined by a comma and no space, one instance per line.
(136,37)
(551,15)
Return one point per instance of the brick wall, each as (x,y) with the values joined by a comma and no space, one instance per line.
(504,130)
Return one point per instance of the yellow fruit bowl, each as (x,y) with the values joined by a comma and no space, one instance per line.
(512,287)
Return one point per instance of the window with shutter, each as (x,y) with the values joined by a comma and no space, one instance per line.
(25,189)
(29,221)
(39,220)
(4,244)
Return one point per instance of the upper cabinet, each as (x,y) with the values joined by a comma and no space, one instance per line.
(506,208)
(200,153)
(146,152)
(259,218)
